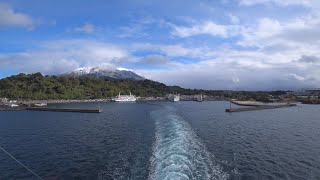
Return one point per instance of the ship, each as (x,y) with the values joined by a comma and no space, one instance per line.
(199,98)
(124,98)
(174,97)
(40,104)
(12,105)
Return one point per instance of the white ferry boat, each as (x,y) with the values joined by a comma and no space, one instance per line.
(124,98)
(174,97)
(199,98)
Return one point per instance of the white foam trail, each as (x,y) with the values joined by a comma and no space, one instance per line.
(178,153)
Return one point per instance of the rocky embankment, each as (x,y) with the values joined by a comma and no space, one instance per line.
(309,101)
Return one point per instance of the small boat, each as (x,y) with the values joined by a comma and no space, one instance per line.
(12,105)
(40,104)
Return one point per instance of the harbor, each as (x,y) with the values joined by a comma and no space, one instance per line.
(18,105)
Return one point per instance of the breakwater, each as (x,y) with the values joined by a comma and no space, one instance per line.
(6,108)
(64,110)
(260,107)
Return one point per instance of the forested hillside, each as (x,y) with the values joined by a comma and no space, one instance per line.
(37,86)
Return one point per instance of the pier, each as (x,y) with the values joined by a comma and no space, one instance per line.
(260,107)
(20,108)
(64,109)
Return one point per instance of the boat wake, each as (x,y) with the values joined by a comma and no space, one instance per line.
(178,153)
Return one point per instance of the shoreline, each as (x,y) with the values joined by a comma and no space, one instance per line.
(63,101)
(23,105)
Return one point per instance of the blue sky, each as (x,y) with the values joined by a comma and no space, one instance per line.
(222,44)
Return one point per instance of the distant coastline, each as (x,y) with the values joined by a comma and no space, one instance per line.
(58,101)
(26,89)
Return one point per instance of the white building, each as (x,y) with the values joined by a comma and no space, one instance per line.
(3,100)
(308,92)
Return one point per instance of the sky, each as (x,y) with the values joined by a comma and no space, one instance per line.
(220,44)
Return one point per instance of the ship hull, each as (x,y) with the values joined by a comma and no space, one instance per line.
(123,100)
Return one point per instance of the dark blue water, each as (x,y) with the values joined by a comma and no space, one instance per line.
(162,140)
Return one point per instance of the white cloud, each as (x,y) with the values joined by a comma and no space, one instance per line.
(276,2)
(237,72)
(296,77)
(138,28)
(10,18)
(207,27)
(224,68)
(274,59)
(259,35)
(86,28)
(174,50)
(289,39)
(64,55)
(234,19)
(210,28)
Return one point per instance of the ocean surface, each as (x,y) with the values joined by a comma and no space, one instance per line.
(162,140)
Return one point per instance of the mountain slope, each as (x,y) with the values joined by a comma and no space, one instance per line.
(37,86)
(105,73)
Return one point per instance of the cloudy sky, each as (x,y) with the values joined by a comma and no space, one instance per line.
(220,44)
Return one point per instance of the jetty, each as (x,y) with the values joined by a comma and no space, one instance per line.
(6,108)
(244,103)
(64,109)
(252,107)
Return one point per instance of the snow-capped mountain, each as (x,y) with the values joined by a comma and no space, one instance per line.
(105,73)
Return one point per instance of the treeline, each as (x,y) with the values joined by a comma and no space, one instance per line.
(37,86)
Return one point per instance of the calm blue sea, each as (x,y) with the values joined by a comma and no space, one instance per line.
(162,140)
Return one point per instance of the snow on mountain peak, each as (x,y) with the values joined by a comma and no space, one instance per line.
(82,70)
(123,69)
(105,72)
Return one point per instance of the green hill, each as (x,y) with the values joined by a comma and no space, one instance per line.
(39,87)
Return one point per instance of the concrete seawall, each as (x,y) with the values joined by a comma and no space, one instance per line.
(262,107)
(64,110)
